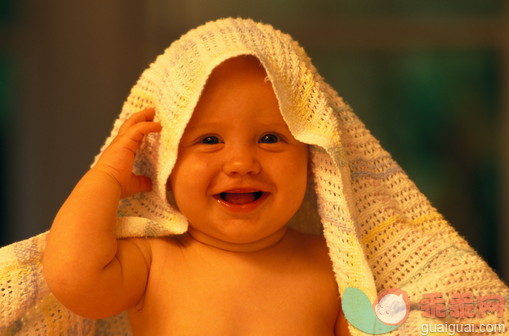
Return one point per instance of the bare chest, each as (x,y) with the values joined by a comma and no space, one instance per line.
(196,295)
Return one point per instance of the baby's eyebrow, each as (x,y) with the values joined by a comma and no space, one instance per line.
(275,125)
(204,125)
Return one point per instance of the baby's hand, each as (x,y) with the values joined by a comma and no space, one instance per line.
(118,158)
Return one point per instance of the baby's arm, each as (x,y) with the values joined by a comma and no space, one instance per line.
(86,267)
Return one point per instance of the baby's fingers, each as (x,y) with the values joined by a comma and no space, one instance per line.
(138,183)
(118,158)
(137,132)
(121,152)
(144,115)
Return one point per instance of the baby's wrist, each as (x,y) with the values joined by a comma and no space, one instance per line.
(105,178)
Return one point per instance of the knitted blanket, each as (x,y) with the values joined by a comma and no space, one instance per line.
(381,232)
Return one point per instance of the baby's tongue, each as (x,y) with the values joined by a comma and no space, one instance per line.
(239,198)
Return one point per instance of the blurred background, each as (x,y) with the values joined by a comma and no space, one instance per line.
(429,78)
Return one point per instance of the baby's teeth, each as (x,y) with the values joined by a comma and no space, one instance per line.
(239,198)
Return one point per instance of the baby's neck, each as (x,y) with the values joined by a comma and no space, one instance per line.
(256,246)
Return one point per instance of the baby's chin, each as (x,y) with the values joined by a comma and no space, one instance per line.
(239,242)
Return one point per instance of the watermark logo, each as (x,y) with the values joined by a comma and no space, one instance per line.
(461,305)
(386,314)
(391,309)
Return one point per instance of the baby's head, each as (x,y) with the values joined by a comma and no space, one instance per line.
(240,175)
(188,86)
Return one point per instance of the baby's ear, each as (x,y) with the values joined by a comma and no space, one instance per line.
(310,164)
(169,195)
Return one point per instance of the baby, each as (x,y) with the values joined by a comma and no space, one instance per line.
(229,152)
(239,177)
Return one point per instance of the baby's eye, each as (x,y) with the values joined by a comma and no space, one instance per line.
(269,138)
(210,140)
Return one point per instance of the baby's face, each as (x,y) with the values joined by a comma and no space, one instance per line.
(240,175)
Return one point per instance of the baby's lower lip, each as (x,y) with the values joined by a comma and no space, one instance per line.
(241,202)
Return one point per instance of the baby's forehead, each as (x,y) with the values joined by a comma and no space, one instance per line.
(243,64)
(237,85)
(237,98)
(240,71)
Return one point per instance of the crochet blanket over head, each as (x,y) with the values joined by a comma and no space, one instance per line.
(380,230)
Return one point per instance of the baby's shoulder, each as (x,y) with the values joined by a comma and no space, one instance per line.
(312,245)
(310,240)
(154,247)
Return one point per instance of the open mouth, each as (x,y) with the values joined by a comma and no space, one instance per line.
(241,198)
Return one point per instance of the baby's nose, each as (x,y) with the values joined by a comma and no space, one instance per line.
(242,161)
